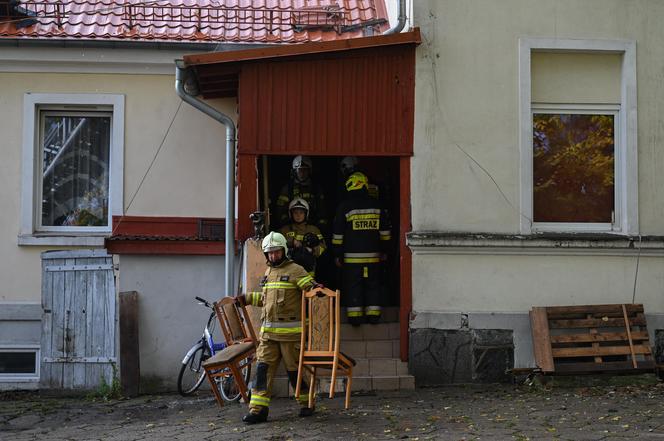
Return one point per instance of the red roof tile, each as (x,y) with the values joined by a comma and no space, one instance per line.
(223,21)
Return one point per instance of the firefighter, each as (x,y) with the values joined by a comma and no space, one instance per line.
(305,241)
(281,327)
(349,165)
(360,235)
(301,186)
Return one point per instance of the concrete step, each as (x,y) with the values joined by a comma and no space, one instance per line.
(381,331)
(389,314)
(371,349)
(281,387)
(388,366)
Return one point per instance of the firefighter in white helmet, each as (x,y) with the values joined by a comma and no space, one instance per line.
(305,241)
(302,186)
(281,301)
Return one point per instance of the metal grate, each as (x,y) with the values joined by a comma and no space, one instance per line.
(211,229)
(202,17)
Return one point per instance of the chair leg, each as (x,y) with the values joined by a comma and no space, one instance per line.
(333,380)
(349,383)
(312,388)
(240,382)
(298,383)
(213,385)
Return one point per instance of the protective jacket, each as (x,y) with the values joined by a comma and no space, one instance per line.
(361,229)
(310,193)
(293,232)
(281,300)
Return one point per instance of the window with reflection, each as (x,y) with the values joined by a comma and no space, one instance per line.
(574,167)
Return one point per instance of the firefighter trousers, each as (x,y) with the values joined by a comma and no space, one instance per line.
(361,290)
(268,356)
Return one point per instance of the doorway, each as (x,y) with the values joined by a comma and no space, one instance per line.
(274,174)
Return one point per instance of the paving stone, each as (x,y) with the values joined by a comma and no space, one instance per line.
(488,411)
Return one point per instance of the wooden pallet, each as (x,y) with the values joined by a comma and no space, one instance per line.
(591,339)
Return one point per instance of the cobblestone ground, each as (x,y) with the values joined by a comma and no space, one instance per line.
(489,412)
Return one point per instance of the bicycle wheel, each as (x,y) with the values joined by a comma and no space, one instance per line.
(228,386)
(191,372)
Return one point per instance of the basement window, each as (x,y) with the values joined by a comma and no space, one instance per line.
(19,364)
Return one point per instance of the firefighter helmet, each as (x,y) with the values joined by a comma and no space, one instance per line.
(356,181)
(273,241)
(302,162)
(348,165)
(298,203)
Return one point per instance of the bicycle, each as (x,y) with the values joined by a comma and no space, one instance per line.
(192,363)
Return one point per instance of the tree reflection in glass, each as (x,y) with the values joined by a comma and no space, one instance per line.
(573,168)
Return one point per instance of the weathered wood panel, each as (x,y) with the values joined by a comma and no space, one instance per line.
(540,330)
(129,360)
(79,319)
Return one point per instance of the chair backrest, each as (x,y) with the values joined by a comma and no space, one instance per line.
(320,313)
(234,321)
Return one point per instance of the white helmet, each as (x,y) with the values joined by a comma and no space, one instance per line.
(273,241)
(348,165)
(299,203)
(302,162)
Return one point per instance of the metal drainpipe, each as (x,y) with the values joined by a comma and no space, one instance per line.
(402,19)
(190,98)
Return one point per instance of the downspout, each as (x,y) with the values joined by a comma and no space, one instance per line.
(401,19)
(186,89)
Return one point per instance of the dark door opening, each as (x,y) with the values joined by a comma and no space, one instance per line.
(274,172)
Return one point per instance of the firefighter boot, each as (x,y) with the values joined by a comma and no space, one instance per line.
(255,418)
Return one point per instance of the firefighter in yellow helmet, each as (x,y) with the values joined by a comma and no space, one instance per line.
(305,241)
(361,232)
(280,300)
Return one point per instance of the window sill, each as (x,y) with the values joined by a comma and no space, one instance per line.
(60,240)
(435,242)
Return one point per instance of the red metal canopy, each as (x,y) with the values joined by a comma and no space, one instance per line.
(351,97)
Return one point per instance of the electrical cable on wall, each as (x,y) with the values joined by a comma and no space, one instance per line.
(496,184)
(154,158)
(636,272)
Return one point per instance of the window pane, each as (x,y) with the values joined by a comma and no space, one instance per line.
(573,168)
(17,362)
(75,169)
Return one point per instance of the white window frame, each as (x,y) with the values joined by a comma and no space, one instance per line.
(22,377)
(31,232)
(618,155)
(626,219)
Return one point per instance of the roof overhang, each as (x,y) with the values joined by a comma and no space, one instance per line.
(217,72)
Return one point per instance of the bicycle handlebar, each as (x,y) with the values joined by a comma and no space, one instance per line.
(203,301)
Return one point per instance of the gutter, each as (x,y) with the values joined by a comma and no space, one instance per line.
(401,19)
(187,90)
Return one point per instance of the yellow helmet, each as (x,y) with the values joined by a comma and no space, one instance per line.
(356,181)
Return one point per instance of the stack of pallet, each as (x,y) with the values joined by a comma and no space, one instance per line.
(591,339)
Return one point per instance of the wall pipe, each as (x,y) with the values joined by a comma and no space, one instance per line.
(401,19)
(187,90)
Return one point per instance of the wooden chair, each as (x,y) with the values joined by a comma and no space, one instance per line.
(241,345)
(319,345)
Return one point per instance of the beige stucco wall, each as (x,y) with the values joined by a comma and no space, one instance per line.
(187,178)
(509,283)
(467,100)
(571,78)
